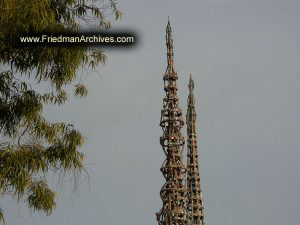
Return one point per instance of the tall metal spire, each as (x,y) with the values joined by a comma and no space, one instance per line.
(195,196)
(174,191)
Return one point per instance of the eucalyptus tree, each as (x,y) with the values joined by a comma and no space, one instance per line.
(32,147)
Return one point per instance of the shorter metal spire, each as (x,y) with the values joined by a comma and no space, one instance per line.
(195,196)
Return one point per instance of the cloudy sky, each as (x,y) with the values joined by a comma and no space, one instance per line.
(245,60)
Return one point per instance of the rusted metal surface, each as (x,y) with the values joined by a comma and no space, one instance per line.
(174,191)
(195,196)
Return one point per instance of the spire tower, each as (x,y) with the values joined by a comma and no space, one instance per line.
(195,197)
(174,191)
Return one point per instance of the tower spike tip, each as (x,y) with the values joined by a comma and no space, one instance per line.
(191,84)
(169,25)
(169,43)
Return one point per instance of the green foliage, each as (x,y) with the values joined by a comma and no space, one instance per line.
(1,216)
(81,90)
(41,197)
(31,146)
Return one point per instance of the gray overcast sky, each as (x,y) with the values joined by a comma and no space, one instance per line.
(244,57)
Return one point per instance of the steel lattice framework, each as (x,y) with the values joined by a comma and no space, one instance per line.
(174,191)
(195,197)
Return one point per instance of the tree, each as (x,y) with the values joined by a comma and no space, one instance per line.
(31,146)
